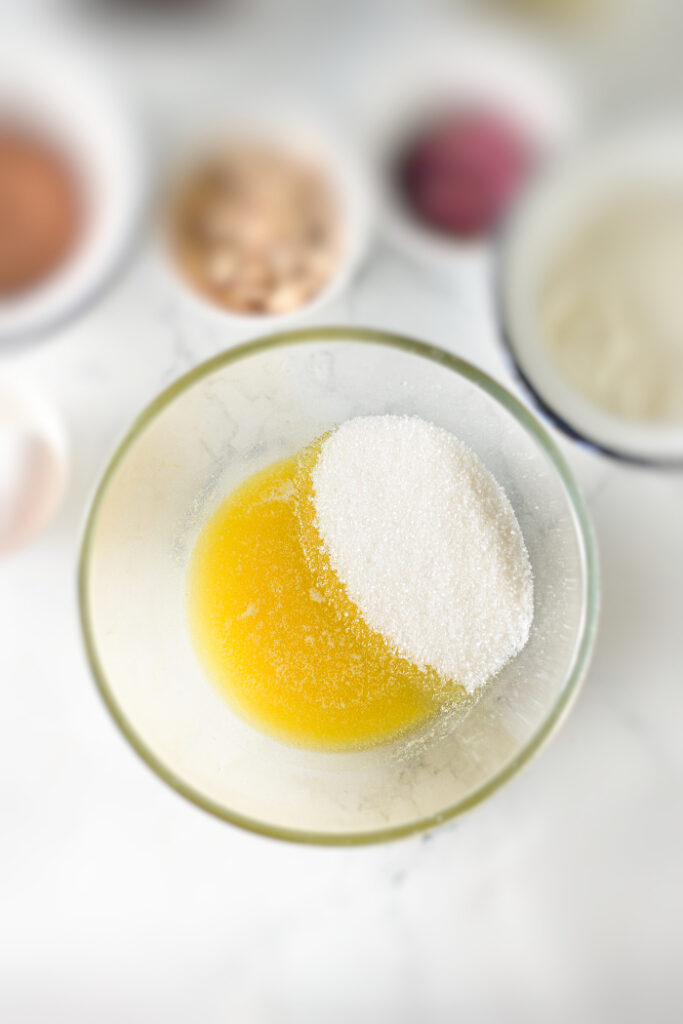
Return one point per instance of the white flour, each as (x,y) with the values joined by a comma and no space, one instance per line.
(426,544)
(611,307)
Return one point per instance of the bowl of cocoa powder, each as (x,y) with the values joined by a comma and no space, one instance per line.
(71,185)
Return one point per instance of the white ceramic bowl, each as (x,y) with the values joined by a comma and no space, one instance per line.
(471,65)
(650,153)
(51,88)
(296,135)
(33,461)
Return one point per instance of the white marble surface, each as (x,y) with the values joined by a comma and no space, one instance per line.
(559,899)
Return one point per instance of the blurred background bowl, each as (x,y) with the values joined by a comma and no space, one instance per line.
(296,136)
(33,461)
(648,154)
(50,89)
(478,67)
(197,441)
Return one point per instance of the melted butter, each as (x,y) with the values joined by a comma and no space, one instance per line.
(277,635)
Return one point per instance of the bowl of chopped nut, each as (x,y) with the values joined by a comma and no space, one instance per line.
(264,221)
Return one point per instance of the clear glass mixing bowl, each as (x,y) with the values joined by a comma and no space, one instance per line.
(224,420)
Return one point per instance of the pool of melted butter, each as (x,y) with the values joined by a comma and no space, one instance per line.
(277,634)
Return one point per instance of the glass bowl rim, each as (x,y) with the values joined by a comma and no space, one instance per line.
(354,335)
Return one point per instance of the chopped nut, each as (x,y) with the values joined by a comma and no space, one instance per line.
(257,230)
(287,297)
(221,266)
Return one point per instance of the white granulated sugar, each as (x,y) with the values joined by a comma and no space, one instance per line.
(426,544)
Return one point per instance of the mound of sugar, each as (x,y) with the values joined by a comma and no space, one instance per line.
(426,544)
